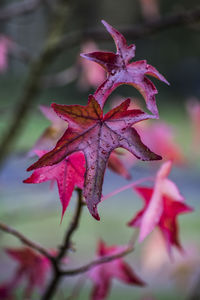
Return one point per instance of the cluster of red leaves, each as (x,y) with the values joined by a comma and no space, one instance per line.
(97,135)
(32,268)
(87,145)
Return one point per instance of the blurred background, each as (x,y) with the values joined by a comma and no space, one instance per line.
(35,210)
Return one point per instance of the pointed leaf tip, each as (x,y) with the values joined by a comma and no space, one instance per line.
(95,213)
(104,23)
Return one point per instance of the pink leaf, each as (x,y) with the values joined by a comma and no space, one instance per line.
(102,275)
(161,139)
(162,205)
(32,266)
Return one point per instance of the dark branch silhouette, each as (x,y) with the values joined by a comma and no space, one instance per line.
(26,241)
(57,274)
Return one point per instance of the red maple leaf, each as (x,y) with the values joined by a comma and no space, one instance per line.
(163,204)
(33,267)
(103,274)
(96,136)
(51,135)
(120,71)
(68,174)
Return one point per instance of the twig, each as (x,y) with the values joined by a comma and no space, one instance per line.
(97,262)
(17,9)
(73,226)
(52,287)
(133,32)
(25,240)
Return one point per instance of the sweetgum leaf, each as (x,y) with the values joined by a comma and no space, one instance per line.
(120,71)
(97,136)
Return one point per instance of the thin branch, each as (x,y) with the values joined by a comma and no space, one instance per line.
(26,241)
(73,227)
(97,262)
(133,32)
(18,9)
(57,276)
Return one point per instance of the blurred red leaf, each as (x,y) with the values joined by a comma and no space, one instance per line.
(160,138)
(163,204)
(32,267)
(103,274)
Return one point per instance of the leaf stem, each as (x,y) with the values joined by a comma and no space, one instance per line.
(126,187)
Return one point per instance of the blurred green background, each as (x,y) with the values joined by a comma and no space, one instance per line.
(35,210)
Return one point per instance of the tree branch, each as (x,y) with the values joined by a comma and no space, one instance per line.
(18,9)
(133,32)
(52,287)
(26,241)
(97,262)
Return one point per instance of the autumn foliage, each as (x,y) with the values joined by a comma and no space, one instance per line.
(75,151)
